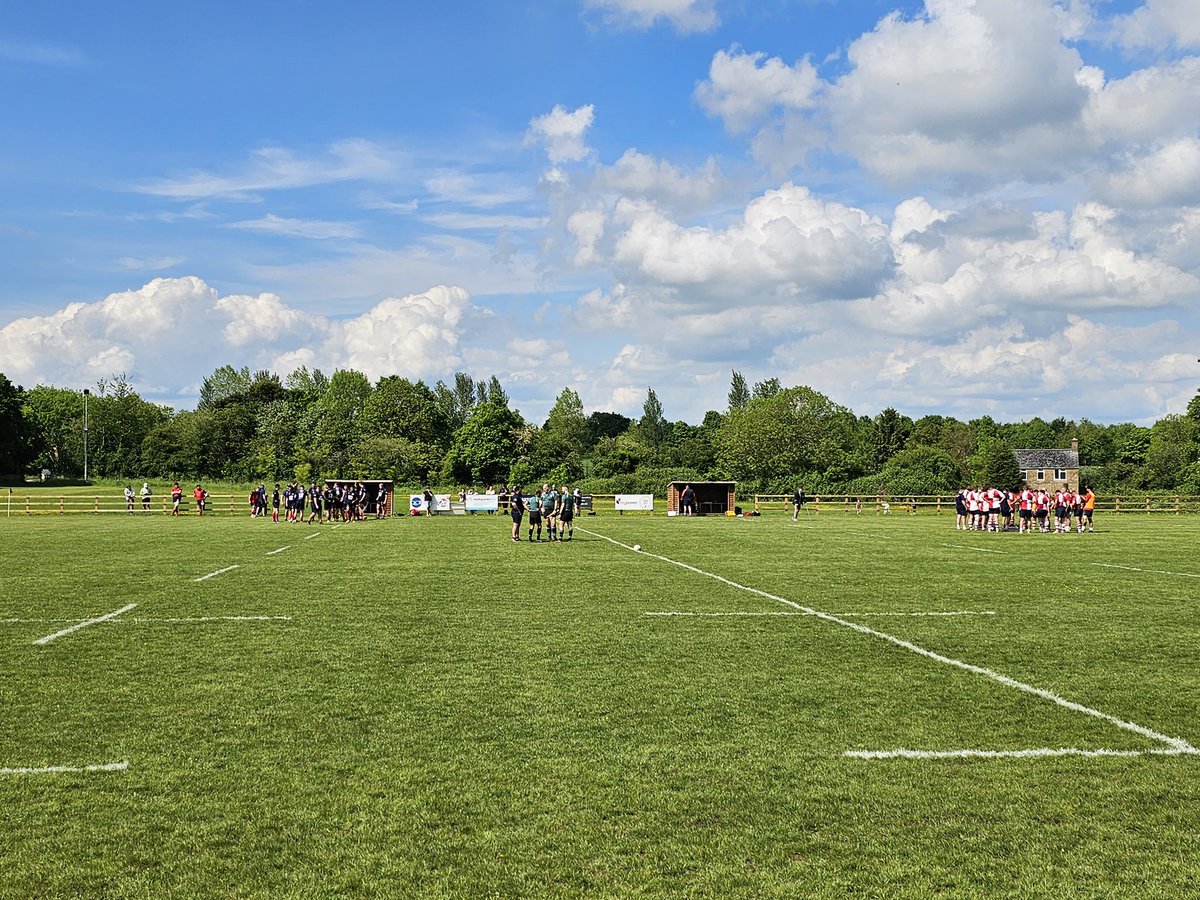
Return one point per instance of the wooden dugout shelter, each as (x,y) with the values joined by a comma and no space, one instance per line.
(712,497)
(372,485)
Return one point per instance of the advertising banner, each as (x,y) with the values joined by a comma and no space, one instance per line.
(634,502)
(483,502)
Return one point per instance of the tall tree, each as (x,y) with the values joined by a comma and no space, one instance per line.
(652,426)
(768,388)
(15,445)
(567,423)
(55,418)
(739,392)
(225,381)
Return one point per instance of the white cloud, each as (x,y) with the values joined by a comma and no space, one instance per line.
(1145,107)
(787,242)
(742,88)
(562,133)
(41,54)
(277,168)
(981,87)
(640,175)
(305,228)
(1159,24)
(683,15)
(175,331)
(1169,175)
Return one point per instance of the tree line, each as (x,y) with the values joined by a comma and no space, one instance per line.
(252,426)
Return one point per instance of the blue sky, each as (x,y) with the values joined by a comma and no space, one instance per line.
(968,208)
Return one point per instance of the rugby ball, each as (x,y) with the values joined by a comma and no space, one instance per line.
(637,547)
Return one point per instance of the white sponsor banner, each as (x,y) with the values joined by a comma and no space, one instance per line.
(481,502)
(441,503)
(634,502)
(416,502)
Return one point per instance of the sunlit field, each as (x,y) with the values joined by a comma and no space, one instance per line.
(843,706)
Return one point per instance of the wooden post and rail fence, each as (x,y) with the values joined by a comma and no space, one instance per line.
(43,502)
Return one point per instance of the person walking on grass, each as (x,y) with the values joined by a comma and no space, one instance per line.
(797,502)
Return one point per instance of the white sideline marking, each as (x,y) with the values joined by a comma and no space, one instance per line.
(311,536)
(850,615)
(1178,744)
(280,550)
(54,770)
(218,572)
(1147,571)
(84,624)
(34,621)
(976,549)
(1035,753)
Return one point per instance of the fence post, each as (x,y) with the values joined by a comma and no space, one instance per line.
(28,511)
(62,505)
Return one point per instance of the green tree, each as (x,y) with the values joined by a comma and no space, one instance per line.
(652,426)
(995,465)
(405,409)
(55,419)
(795,432)
(16,446)
(225,381)
(767,388)
(888,433)
(485,447)
(739,392)
(567,423)
(606,424)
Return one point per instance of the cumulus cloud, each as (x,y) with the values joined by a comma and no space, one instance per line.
(1159,24)
(1168,175)
(742,88)
(684,16)
(174,331)
(788,241)
(984,87)
(638,174)
(562,133)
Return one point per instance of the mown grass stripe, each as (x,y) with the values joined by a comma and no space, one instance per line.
(1177,743)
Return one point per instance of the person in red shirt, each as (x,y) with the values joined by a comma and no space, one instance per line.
(200,496)
(176,496)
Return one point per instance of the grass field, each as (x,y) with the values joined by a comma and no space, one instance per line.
(423,708)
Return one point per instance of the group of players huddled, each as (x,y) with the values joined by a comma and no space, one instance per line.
(555,509)
(337,502)
(991,509)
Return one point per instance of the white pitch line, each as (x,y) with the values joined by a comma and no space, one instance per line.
(84,624)
(1147,571)
(280,550)
(976,549)
(216,573)
(1177,744)
(311,536)
(850,615)
(35,621)
(1034,753)
(55,770)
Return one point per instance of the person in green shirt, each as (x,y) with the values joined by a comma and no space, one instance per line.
(566,514)
(549,507)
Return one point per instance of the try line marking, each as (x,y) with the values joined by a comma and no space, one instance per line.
(1178,745)
(84,624)
(216,573)
(1147,571)
(1035,753)
(976,549)
(55,770)
(280,550)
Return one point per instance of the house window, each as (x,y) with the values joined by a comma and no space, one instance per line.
(1041,475)
(1060,474)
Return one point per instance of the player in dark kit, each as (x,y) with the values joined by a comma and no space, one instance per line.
(517,510)
(566,514)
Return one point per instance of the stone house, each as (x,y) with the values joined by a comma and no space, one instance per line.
(1050,469)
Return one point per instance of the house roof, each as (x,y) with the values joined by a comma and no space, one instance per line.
(1047,459)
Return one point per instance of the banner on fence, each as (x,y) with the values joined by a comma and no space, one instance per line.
(634,502)
(482,502)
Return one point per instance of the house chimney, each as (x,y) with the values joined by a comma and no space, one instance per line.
(1075,445)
